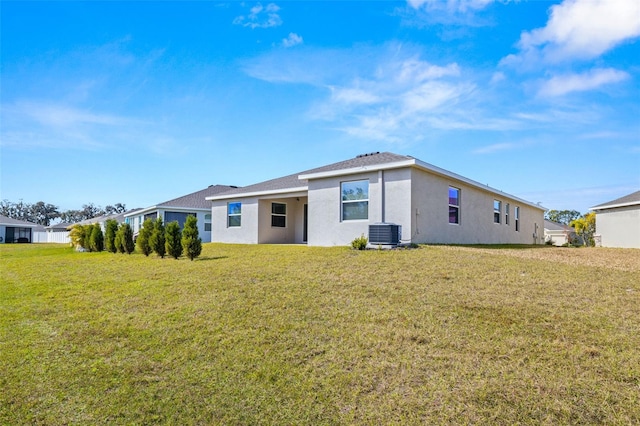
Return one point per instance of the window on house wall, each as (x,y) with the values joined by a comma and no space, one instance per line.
(506,214)
(278,215)
(207,223)
(454,205)
(234,214)
(497,211)
(355,200)
(516,212)
(153,216)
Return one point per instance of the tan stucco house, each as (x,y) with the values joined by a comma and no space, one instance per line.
(618,222)
(390,198)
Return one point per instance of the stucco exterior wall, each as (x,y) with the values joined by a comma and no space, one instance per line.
(290,234)
(619,227)
(430,195)
(246,233)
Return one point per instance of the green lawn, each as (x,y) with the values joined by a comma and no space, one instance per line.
(293,335)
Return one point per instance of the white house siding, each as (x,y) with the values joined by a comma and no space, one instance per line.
(619,227)
(430,195)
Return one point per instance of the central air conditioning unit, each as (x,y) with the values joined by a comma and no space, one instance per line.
(385,234)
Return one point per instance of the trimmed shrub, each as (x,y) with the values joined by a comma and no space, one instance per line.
(360,243)
(144,236)
(129,245)
(119,239)
(157,240)
(96,241)
(172,240)
(191,242)
(124,239)
(110,227)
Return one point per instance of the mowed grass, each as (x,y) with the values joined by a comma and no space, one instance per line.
(251,335)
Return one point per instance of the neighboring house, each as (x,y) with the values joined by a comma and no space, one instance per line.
(618,222)
(378,195)
(194,204)
(559,234)
(118,217)
(16,231)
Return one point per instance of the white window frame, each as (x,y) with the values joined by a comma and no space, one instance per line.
(506,214)
(344,202)
(516,213)
(230,215)
(497,211)
(455,206)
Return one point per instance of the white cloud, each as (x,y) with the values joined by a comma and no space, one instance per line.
(564,84)
(578,29)
(353,96)
(292,40)
(260,17)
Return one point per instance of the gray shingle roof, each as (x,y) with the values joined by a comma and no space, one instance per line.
(196,200)
(292,181)
(4,220)
(555,226)
(631,199)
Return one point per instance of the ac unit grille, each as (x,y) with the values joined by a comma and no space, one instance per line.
(384,233)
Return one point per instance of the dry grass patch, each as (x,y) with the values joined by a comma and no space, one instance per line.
(303,335)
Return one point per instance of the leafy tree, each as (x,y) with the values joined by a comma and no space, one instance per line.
(111,227)
(172,239)
(43,213)
(72,216)
(191,242)
(157,240)
(115,209)
(562,216)
(144,236)
(96,241)
(585,227)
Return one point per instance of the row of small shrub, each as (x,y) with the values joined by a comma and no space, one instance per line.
(153,237)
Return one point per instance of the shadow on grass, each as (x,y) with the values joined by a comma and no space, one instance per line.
(205,258)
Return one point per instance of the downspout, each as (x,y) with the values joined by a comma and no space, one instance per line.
(382,195)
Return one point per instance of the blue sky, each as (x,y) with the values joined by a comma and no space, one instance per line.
(141,102)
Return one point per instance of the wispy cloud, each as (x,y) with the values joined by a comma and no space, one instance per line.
(490,149)
(260,17)
(578,30)
(451,5)
(292,40)
(564,84)
(58,126)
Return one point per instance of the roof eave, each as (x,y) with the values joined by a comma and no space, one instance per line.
(297,189)
(614,206)
(356,170)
